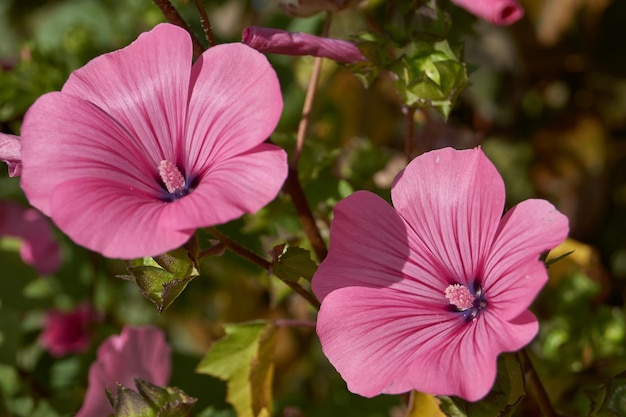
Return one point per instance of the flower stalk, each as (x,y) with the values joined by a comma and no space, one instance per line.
(206,23)
(172,16)
(536,386)
(266,265)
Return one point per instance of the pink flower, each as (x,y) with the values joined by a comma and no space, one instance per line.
(10,152)
(139,352)
(140,147)
(426,295)
(278,41)
(499,12)
(38,248)
(68,332)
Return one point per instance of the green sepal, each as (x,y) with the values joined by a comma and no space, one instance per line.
(166,401)
(128,403)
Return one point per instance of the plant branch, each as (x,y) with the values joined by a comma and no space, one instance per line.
(305,215)
(294,323)
(172,16)
(540,394)
(206,23)
(264,264)
(308,101)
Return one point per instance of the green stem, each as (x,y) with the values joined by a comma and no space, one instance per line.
(264,264)
(536,386)
(172,16)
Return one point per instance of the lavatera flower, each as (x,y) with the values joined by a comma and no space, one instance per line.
(141,147)
(426,294)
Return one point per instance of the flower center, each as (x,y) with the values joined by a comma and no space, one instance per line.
(469,302)
(172,178)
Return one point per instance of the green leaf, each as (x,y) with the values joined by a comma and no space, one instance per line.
(506,394)
(293,264)
(243,358)
(611,398)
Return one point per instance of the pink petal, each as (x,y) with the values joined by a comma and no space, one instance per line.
(372,246)
(106,197)
(499,12)
(235,105)
(39,248)
(382,340)
(144,87)
(67,332)
(66,138)
(464,362)
(513,273)
(240,184)
(278,41)
(139,352)
(116,221)
(11,153)
(453,201)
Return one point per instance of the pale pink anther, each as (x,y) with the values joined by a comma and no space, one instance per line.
(460,296)
(171,177)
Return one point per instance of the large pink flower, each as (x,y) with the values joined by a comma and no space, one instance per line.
(140,147)
(38,247)
(499,12)
(138,352)
(426,295)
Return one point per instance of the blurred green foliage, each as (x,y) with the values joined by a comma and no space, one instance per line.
(545,98)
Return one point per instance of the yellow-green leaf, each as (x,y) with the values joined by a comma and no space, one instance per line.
(244,359)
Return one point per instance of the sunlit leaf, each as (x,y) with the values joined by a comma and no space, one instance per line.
(243,358)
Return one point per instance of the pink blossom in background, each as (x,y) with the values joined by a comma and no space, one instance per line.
(426,294)
(38,246)
(10,153)
(278,41)
(499,12)
(141,147)
(67,332)
(138,352)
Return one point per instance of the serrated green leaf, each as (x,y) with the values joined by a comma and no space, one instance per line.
(243,358)
(293,264)
(506,394)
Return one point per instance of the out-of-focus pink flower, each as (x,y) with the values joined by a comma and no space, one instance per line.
(68,332)
(10,152)
(278,41)
(306,8)
(38,248)
(426,295)
(140,147)
(138,352)
(499,12)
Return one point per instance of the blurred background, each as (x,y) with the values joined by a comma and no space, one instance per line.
(546,100)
